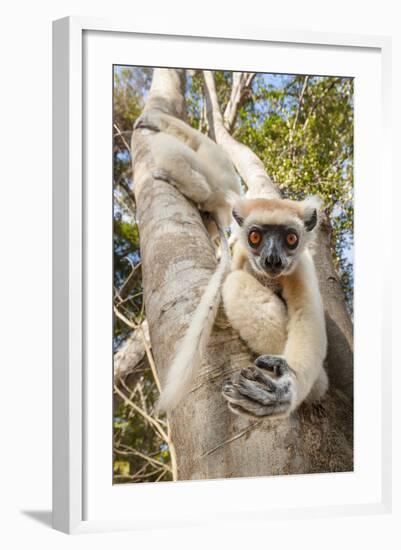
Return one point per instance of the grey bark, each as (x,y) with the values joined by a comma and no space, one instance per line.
(178,260)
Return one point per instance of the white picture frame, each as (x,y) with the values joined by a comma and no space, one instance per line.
(70,379)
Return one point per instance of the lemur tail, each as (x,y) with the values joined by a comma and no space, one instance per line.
(188,359)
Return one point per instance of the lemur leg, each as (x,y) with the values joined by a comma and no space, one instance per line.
(175,159)
(157,121)
(178,164)
(260,317)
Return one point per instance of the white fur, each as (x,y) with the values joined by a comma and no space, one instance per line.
(312,202)
(306,345)
(264,328)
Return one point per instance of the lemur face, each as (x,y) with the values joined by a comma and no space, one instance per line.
(275,232)
(273,247)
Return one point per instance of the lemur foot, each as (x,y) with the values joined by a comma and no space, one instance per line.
(255,393)
(161,174)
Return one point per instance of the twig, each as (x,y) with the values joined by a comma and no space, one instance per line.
(132,451)
(160,476)
(151,420)
(124,319)
(300,101)
(234,438)
(122,137)
(150,359)
(133,270)
(136,476)
(173,454)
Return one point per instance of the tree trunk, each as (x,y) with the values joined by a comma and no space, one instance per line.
(178,260)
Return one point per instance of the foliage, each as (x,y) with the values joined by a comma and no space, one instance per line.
(140,453)
(301,127)
(130,88)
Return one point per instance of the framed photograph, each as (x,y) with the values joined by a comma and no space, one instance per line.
(219,324)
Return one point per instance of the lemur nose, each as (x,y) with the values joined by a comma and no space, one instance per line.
(273,261)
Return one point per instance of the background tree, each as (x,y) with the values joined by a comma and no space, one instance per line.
(301,129)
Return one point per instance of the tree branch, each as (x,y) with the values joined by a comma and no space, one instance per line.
(120,134)
(300,101)
(131,352)
(248,165)
(240,87)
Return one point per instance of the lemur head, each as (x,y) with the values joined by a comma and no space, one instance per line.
(276,231)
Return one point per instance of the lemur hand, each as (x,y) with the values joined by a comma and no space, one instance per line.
(256,393)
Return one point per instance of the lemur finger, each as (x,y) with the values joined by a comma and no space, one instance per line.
(253,398)
(256,375)
(258,392)
(260,412)
(269,391)
(243,405)
(228,388)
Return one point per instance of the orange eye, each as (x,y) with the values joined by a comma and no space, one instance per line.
(254,238)
(292,239)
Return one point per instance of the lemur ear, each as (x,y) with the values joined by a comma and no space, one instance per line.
(311,207)
(238,213)
(311,221)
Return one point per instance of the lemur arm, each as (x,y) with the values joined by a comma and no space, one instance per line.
(306,345)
